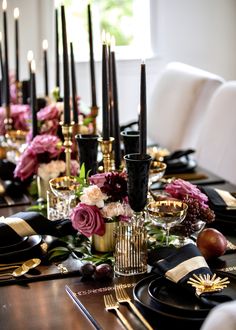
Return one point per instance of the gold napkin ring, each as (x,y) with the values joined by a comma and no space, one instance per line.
(205,283)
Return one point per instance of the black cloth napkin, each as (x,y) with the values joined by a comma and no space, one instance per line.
(180,266)
(223,208)
(22,224)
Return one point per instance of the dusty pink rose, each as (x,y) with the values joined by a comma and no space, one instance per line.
(88,220)
(46,143)
(93,195)
(48,113)
(28,162)
(180,188)
(74,167)
(20,116)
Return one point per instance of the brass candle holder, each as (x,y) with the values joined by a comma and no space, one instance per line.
(8,120)
(94,113)
(67,131)
(106,148)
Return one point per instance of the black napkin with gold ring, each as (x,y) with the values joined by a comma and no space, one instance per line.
(187,262)
(22,224)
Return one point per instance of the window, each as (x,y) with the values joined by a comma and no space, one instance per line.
(127,20)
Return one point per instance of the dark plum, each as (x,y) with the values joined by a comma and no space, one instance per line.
(103,271)
(87,269)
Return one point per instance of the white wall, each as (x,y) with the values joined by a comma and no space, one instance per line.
(201,33)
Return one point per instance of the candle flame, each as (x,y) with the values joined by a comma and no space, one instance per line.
(103,36)
(4,5)
(45,44)
(108,38)
(33,66)
(30,56)
(0,36)
(113,43)
(16,13)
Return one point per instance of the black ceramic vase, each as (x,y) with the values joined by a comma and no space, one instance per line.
(88,150)
(138,172)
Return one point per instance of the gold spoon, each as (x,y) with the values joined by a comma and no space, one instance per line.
(31,263)
(17,272)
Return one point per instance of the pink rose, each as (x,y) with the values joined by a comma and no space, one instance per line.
(98,179)
(180,188)
(74,167)
(46,143)
(113,209)
(26,166)
(48,113)
(88,220)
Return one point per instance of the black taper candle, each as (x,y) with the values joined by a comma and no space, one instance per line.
(73,85)
(116,122)
(105,91)
(110,87)
(57,50)
(6,75)
(1,59)
(45,59)
(143,112)
(92,70)
(33,100)
(16,17)
(65,69)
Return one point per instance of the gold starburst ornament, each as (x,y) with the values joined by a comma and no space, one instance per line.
(205,283)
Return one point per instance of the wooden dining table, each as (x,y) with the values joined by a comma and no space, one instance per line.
(45,304)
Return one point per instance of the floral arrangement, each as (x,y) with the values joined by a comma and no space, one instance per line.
(42,157)
(103,200)
(198,209)
(20,116)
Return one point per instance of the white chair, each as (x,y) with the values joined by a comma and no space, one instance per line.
(215,148)
(177,103)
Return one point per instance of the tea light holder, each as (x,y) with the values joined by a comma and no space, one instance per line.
(106,148)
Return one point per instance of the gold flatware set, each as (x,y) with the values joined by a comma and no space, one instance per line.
(122,297)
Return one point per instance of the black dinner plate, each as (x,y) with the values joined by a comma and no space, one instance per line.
(142,297)
(13,247)
(30,246)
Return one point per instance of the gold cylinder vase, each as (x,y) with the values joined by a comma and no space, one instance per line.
(105,243)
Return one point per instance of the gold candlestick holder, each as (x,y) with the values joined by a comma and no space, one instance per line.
(67,131)
(106,148)
(8,120)
(19,92)
(94,113)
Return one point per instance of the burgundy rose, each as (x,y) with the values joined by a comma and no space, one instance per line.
(88,220)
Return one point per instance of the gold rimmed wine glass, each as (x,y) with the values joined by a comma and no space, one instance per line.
(168,213)
(64,187)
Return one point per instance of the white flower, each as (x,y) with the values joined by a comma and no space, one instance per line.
(51,170)
(93,195)
(113,209)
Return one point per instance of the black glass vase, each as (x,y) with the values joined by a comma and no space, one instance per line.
(131,142)
(138,172)
(88,150)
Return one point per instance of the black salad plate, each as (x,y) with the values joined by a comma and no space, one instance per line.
(143,298)
(173,297)
(31,245)
(181,166)
(14,247)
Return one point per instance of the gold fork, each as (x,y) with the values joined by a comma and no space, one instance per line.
(123,297)
(111,304)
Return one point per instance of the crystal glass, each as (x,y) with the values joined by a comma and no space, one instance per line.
(65,188)
(168,213)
